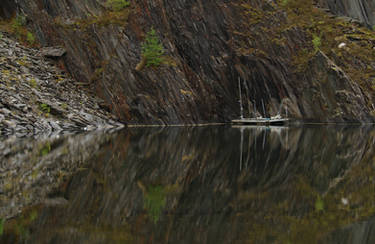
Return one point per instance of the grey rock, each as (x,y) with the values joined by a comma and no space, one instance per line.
(10,124)
(55,126)
(5,111)
(53,52)
(358,10)
(58,201)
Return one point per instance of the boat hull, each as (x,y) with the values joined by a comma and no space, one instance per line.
(260,121)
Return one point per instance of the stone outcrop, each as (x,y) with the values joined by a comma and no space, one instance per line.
(37,97)
(332,91)
(53,52)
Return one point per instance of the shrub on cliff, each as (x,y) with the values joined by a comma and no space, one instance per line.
(316,42)
(117,5)
(18,26)
(19,21)
(152,49)
(30,38)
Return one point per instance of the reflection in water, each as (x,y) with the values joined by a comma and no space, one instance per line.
(192,185)
(363,232)
(30,168)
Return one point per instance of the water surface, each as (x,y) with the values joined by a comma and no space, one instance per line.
(191,185)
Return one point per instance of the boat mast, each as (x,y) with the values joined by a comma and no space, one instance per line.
(264,110)
(239,90)
(286,111)
(241,147)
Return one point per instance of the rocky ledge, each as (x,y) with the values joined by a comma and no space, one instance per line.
(37,97)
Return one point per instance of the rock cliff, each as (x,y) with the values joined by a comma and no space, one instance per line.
(288,56)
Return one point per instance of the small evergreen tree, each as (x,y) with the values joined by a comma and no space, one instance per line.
(316,42)
(152,49)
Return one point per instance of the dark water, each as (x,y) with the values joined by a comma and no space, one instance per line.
(191,185)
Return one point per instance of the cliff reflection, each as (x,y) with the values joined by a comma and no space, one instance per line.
(211,185)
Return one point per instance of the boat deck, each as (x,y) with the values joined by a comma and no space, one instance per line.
(262,121)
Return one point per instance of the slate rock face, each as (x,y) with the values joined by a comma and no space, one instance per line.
(7,9)
(209,46)
(363,10)
(340,96)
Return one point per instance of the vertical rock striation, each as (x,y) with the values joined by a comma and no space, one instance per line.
(209,46)
(363,10)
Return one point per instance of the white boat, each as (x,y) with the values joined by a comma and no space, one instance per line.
(261,121)
(274,120)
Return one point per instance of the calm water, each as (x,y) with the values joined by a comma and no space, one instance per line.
(190,185)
